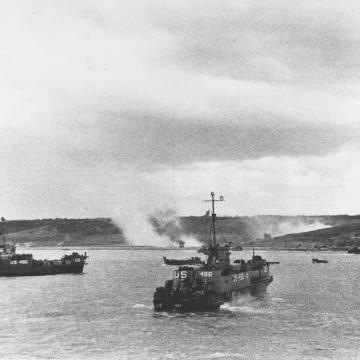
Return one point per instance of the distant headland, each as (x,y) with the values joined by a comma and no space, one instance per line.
(263,231)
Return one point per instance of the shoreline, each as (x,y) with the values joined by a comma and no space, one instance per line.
(152,248)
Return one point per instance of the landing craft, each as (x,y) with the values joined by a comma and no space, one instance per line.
(207,285)
(13,264)
(319,261)
(354,250)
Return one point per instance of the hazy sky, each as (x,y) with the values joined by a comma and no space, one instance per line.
(112,107)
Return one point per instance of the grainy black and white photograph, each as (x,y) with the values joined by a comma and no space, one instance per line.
(179,180)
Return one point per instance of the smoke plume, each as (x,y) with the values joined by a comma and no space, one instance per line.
(145,212)
(289,228)
(167,223)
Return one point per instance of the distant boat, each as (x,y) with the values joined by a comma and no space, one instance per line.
(192,261)
(319,261)
(13,264)
(354,250)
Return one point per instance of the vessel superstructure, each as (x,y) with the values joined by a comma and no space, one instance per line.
(209,284)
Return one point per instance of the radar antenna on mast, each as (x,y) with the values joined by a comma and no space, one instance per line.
(213,215)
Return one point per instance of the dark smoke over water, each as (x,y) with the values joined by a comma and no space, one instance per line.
(167,224)
(135,201)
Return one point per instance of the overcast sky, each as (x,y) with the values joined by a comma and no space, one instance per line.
(113,107)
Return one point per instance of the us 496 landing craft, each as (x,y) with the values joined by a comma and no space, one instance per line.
(12,264)
(206,286)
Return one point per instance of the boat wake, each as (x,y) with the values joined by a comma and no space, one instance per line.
(246,304)
(245,309)
(171,315)
(277,299)
(142,306)
(219,355)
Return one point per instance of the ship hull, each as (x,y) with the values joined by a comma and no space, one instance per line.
(179,302)
(254,289)
(12,264)
(42,270)
(174,301)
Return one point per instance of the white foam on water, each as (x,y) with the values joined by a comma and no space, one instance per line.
(220,355)
(246,304)
(245,309)
(171,356)
(142,306)
(277,299)
(170,315)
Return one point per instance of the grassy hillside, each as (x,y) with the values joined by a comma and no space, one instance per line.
(64,232)
(286,231)
(341,236)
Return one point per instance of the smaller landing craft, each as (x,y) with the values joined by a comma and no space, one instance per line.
(319,261)
(12,264)
(207,285)
(192,261)
(354,250)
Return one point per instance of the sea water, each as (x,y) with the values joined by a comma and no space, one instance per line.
(310,311)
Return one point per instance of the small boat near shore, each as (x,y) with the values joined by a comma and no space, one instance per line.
(319,261)
(13,264)
(354,250)
(192,261)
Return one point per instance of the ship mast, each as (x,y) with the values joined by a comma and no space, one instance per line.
(3,229)
(213,215)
